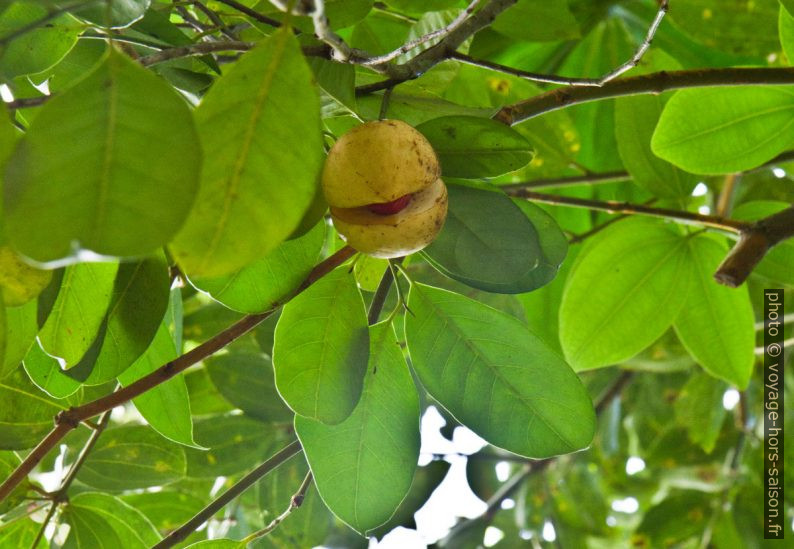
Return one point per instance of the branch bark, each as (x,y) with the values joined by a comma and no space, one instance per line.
(71,418)
(655,83)
(754,243)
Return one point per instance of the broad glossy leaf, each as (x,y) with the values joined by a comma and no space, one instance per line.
(321,348)
(487,242)
(40,47)
(46,373)
(19,533)
(635,120)
(130,457)
(102,520)
(19,281)
(789,5)
(138,304)
(261,121)
(682,515)
(626,288)
(380,32)
(777,263)
(26,414)
(472,147)
(166,509)
(725,130)
(165,407)
(246,380)
(124,187)
(116,14)
(735,26)
(79,311)
(20,333)
(257,286)
(495,376)
(537,20)
(337,80)
(220,543)
(699,409)
(716,322)
(236,443)
(426,480)
(786,30)
(364,466)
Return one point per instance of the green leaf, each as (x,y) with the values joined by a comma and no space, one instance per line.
(699,409)
(635,120)
(140,299)
(777,263)
(786,31)
(26,415)
(789,5)
(79,311)
(130,457)
(380,32)
(115,190)
(628,284)
(306,526)
(321,348)
(220,543)
(495,376)
(256,287)
(20,333)
(364,466)
(487,242)
(716,323)
(725,130)
(19,533)
(116,13)
(246,380)
(165,407)
(8,462)
(262,174)
(165,509)
(46,373)
(683,514)
(472,147)
(734,26)
(337,80)
(235,443)
(19,281)
(537,20)
(102,520)
(426,480)
(38,48)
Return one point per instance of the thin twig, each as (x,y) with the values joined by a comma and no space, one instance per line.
(637,57)
(221,501)
(202,48)
(71,418)
(295,501)
(585,179)
(253,14)
(408,46)
(379,299)
(611,206)
(322,29)
(215,18)
(60,495)
(654,83)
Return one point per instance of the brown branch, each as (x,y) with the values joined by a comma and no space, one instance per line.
(59,496)
(194,50)
(755,242)
(614,207)
(655,83)
(71,418)
(238,488)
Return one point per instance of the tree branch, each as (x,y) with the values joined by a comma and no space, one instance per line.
(253,14)
(71,418)
(612,207)
(59,496)
(655,83)
(201,48)
(220,502)
(755,242)
(295,501)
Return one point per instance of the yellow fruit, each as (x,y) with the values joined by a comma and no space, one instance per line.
(381,180)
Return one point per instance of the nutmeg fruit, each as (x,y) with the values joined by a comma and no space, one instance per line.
(382,183)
